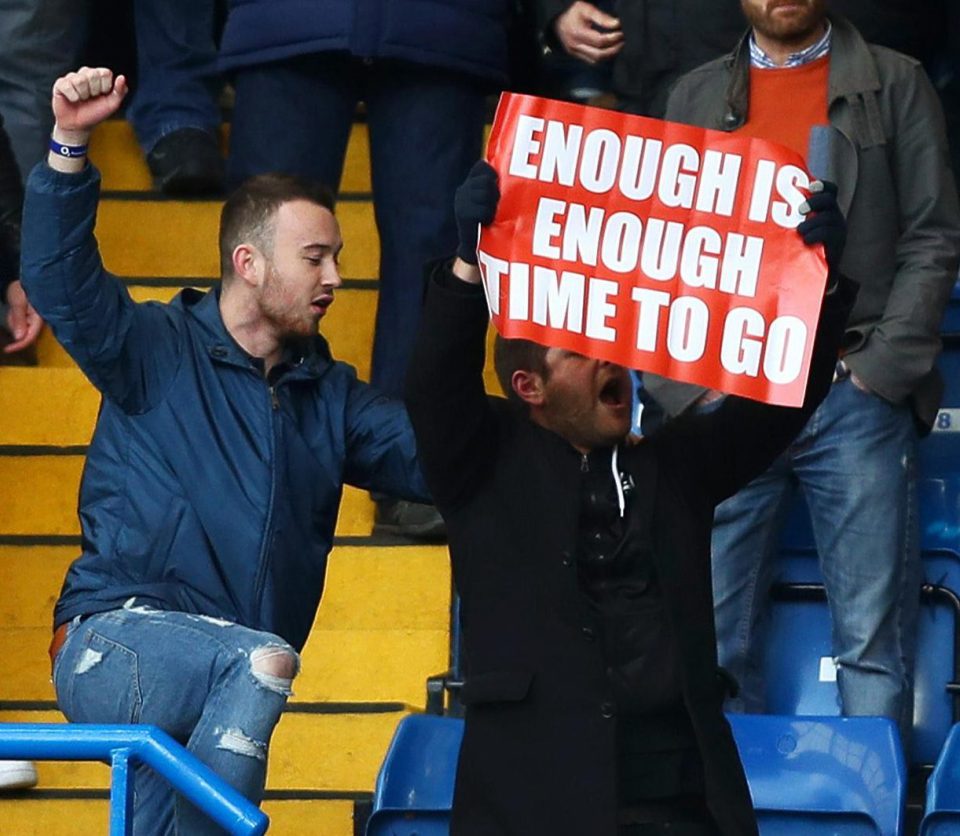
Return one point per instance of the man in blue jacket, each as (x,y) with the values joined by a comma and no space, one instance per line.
(213,479)
(423,71)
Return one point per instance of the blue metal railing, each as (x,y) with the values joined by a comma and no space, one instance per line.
(124,747)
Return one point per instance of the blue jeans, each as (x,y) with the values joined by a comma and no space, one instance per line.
(426,131)
(40,40)
(855,462)
(177,85)
(216,687)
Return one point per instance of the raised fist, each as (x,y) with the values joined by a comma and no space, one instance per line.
(84,99)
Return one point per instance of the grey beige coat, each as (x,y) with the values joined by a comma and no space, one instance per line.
(892,168)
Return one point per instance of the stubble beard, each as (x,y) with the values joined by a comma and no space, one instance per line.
(286,321)
(788,31)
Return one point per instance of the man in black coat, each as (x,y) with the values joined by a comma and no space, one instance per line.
(593,697)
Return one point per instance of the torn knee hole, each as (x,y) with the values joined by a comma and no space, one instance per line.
(276,662)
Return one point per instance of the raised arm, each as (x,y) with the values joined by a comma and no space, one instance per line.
(445,393)
(121,346)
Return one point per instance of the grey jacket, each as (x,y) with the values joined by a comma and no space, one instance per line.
(896,189)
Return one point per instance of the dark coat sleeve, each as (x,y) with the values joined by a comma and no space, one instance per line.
(446,400)
(717,452)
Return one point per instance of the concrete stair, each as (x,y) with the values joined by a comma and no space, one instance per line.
(383,626)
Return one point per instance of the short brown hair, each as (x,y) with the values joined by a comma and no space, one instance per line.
(513,355)
(247,215)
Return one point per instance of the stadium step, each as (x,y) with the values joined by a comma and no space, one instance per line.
(381,631)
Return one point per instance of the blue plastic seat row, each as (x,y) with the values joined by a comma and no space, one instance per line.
(841,776)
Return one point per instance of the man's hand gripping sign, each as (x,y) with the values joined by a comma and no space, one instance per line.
(653,245)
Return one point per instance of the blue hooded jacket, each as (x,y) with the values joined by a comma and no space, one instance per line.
(468,36)
(205,489)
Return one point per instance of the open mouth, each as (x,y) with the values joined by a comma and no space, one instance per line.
(613,393)
(321,303)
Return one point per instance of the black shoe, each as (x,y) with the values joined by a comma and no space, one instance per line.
(413,520)
(187,163)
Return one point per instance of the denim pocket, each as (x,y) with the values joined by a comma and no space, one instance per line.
(104,685)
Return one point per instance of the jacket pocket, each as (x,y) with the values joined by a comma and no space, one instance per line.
(496,686)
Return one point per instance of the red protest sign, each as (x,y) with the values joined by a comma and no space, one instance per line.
(651,244)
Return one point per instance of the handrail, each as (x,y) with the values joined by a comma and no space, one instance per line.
(123,747)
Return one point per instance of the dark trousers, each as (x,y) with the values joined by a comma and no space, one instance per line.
(682,815)
(176,69)
(426,130)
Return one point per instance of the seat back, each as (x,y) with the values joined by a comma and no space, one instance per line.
(836,775)
(800,675)
(409,823)
(414,789)
(942,811)
(939,457)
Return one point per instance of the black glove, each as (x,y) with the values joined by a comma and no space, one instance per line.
(475,202)
(826,225)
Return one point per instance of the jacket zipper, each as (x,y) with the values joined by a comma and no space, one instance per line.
(584,463)
(268,524)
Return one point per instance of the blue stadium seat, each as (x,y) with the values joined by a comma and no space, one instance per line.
(801,680)
(414,790)
(942,813)
(839,776)
(939,464)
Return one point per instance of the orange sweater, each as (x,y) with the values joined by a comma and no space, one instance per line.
(786,102)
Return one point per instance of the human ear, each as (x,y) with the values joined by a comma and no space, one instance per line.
(528,386)
(247,263)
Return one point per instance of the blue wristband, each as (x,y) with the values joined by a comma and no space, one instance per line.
(70,151)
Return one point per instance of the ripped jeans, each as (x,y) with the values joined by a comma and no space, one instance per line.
(216,687)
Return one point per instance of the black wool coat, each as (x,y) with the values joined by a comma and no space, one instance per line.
(538,753)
